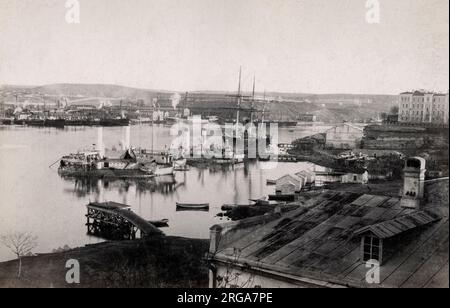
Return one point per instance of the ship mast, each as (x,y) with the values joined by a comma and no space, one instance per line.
(45,116)
(264,107)
(253,100)
(238,98)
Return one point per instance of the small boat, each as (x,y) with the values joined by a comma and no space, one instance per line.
(263,201)
(193,206)
(181,168)
(229,207)
(160,223)
(162,170)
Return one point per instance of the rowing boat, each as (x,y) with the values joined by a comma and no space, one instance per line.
(160,223)
(193,206)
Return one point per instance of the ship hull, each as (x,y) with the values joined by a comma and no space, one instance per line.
(35,122)
(107,173)
(55,123)
(161,171)
(114,122)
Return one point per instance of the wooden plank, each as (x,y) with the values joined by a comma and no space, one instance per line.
(298,243)
(376,201)
(363,199)
(429,268)
(254,237)
(440,280)
(405,263)
(351,257)
(314,216)
(289,253)
(391,203)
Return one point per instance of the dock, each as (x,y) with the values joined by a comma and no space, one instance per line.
(117,221)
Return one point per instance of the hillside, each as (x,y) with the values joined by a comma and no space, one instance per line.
(96,90)
(327,107)
(155,262)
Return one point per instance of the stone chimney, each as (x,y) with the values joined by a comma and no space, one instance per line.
(215,233)
(413,182)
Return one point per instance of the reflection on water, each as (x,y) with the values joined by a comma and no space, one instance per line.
(83,187)
(33,197)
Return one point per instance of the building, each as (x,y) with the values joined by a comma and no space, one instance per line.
(328,177)
(289,184)
(391,119)
(309,176)
(307,118)
(343,136)
(338,239)
(423,107)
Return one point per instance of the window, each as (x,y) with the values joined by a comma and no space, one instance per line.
(371,248)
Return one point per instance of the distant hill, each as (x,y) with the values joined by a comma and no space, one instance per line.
(88,90)
(96,90)
(327,107)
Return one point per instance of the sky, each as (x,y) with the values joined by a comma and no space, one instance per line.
(308,46)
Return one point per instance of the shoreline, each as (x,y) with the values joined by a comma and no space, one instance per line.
(160,261)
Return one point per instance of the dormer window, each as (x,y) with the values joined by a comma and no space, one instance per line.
(372,248)
(373,236)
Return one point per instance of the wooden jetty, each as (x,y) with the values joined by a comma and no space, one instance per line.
(287,158)
(116,221)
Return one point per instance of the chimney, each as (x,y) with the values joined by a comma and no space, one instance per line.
(413,182)
(126,143)
(215,237)
(100,145)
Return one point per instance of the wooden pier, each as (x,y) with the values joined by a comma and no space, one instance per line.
(287,158)
(116,221)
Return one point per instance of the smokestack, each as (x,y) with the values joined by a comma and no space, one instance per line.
(126,143)
(413,182)
(100,145)
(175,98)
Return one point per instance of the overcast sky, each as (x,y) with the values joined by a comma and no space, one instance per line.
(315,46)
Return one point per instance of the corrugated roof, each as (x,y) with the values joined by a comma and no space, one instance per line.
(393,227)
(292,176)
(318,240)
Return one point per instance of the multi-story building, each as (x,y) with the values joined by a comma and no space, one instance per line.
(423,107)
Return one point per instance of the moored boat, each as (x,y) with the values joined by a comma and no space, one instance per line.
(54,122)
(92,164)
(193,206)
(163,223)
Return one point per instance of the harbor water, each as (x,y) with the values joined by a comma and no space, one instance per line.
(34,198)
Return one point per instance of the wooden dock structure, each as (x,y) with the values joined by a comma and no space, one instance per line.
(117,221)
(287,158)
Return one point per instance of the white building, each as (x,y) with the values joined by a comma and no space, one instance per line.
(344,136)
(423,107)
(289,184)
(323,178)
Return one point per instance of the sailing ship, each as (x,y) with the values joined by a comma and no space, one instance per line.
(159,162)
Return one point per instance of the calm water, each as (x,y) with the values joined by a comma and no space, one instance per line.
(33,197)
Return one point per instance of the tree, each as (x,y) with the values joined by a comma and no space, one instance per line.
(19,243)
(394,110)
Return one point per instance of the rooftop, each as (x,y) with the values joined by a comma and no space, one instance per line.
(421,93)
(321,239)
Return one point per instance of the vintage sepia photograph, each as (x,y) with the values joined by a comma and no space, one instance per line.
(223,145)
